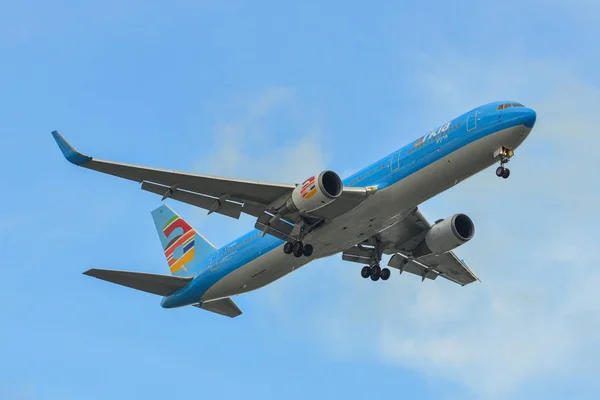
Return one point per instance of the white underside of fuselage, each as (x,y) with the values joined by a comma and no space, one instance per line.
(375,214)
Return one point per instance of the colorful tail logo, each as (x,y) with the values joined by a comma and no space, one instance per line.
(309,188)
(180,248)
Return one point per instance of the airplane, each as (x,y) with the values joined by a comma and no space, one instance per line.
(364,216)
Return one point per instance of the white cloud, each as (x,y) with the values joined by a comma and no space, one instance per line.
(249,147)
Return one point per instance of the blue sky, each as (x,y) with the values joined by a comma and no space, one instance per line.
(276,92)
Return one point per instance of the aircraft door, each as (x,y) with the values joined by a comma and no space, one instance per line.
(395,164)
(472,121)
(213,262)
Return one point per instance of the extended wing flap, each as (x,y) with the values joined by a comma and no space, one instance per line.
(162,285)
(211,204)
(450,267)
(358,255)
(224,307)
(397,261)
(274,226)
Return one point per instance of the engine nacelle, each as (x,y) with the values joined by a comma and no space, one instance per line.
(446,236)
(315,192)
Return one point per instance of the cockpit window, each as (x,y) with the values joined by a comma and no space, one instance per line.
(507,105)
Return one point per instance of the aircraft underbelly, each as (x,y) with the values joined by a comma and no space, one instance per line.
(375,214)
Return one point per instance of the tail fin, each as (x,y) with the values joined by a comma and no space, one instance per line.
(181,243)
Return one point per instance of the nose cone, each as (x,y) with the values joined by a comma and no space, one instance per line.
(528,117)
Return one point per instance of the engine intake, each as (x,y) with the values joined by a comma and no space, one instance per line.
(446,235)
(315,192)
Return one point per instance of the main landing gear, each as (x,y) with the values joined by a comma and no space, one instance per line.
(505,155)
(298,248)
(375,272)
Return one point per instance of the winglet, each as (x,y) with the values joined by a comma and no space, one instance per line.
(72,155)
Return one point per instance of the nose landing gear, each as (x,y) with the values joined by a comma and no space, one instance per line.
(505,155)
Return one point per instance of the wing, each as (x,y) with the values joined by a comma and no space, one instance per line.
(400,239)
(225,196)
(201,190)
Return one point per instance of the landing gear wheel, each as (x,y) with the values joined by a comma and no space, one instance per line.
(288,248)
(308,250)
(365,272)
(506,173)
(375,277)
(385,274)
(375,272)
(500,171)
(297,248)
(375,269)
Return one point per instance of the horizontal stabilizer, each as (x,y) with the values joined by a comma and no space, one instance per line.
(224,307)
(162,285)
(274,226)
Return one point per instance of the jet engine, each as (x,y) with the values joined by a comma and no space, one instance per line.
(315,192)
(446,235)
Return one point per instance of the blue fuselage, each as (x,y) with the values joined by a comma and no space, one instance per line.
(384,173)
